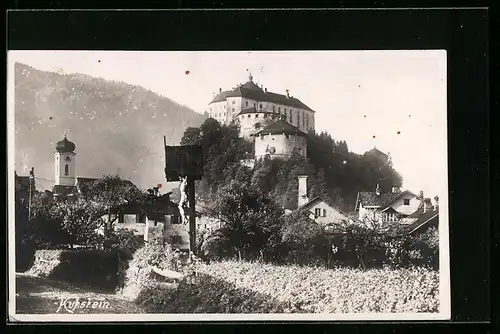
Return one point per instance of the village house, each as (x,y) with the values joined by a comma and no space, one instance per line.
(388,206)
(320,211)
(159,217)
(425,217)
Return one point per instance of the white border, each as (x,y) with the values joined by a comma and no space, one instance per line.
(444,280)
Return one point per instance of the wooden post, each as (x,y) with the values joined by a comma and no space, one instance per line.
(192,216)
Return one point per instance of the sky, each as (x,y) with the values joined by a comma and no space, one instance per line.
(394,100)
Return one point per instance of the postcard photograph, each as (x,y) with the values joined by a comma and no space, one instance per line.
(249,185)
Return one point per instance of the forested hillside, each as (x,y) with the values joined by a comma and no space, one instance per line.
(116,127)
(334,173)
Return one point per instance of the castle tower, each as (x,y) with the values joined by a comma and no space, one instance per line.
(64,163)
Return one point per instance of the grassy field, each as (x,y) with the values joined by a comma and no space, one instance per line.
(38,295)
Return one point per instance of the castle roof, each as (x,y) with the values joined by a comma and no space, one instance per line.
(280,127)
(65,146)
(251,91)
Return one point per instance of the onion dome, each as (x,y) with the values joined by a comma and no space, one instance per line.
(65,146)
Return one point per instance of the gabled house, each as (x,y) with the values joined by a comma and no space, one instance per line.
(321,211)
(425,217)
(386,207)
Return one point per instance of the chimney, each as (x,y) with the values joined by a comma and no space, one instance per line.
(377,190)
(287,95)
(302,195)
(425,206)
(220,90)
(436,202)
(265,90)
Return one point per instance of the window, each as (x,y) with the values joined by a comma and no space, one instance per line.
(317,212)
(260,105)
(279,109)
(285,110)
(233,110)
(233,101)
(66,169)
(246,103)
(249,116)
(324,212)
(272,150)
(175,239)
(256,115)
(257,125)
(265,115)
(406,201)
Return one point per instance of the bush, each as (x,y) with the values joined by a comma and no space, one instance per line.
(138,275)
(341,290)
(125,240)
(89,268)
(45,262)
(211,295)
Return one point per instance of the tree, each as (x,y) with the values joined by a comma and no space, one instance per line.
(251,220)
(191,136)
(302,237)
(110,192)
(80,219)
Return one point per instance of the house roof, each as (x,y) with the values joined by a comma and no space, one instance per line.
(384,199)
(422,219)
(84,182)
(280,127)
(251,91)
(376,151)
(319,199)
(64,190)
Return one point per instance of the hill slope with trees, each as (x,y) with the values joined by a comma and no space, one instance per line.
(116,127)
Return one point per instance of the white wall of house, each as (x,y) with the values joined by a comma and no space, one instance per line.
(325,214)
(406,204)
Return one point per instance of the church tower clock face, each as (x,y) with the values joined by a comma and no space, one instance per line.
(68,158)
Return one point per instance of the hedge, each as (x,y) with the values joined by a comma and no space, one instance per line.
(90,268)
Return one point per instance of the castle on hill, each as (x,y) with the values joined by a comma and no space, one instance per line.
(276,123)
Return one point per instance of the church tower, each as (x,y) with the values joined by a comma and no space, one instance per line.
(64,163)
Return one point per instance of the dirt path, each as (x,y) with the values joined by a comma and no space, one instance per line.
(38,295)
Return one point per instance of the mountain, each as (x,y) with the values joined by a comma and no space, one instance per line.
(116,127)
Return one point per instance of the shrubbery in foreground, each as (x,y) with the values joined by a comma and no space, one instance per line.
(317,290)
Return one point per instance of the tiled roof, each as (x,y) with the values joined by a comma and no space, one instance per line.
(317,199)
(372,199)
(251,91)
(278,127)
(422,219)
(64,190)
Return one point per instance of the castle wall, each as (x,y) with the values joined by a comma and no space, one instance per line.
(280,145)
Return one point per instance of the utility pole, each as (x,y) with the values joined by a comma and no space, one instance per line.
(30,191)
(192,216)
